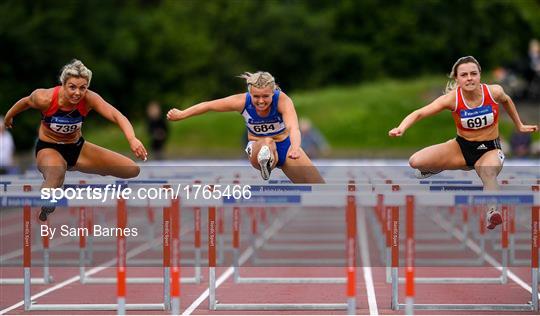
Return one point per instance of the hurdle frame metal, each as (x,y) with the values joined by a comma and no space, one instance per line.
(407,200)
(30,199)
(343,200)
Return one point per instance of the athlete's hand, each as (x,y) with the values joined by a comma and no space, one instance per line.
(174,115)
(138,149)
(528,128)
(396,132)
(8,121)
(294,153)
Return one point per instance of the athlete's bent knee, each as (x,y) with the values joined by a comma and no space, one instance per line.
(414,162)
(134,171)
(53,176)
(129,172)
(268,141)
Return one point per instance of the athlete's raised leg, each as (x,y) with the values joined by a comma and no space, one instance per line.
(264,156)
(436,158)
(53,168)
(301,170)
(98,160)
(488,168)
(256,147)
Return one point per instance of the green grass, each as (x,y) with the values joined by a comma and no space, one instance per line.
(354,119)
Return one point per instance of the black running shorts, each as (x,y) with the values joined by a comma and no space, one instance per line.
(472,151)
(70,152)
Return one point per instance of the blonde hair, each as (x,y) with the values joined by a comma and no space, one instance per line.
(75,69)
(451,84)
(260,79)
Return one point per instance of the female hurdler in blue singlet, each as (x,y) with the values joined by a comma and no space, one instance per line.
(272,124)
(60,146)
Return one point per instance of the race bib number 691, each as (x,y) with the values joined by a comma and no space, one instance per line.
(477,118)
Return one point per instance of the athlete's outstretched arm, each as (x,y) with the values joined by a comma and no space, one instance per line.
(97,103)
(501,97)
(229,104)
(286,108)
(441,103)
(36,100)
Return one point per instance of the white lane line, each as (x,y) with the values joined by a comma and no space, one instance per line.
(52,289)
(206,293)
(366,262)
(476,248)
(19,252)
(278,224)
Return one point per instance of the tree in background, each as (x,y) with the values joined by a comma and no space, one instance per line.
(179,51)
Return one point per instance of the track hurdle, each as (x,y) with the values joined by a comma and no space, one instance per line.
(308,200)
(409,255)
(409,201)
(27,200)
(295,241)
(47,277)
(290,246)
(168,222)
(514,235)
(465,207)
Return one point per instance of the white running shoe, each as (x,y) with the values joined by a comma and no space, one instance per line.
(424,174)
(265,159)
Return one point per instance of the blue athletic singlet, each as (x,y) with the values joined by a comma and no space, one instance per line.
(263,126)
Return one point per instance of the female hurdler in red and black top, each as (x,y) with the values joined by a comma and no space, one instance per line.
(475,108)
(61,146)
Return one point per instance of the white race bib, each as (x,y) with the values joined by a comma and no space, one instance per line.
(64,125)
(263,128)
(477,118)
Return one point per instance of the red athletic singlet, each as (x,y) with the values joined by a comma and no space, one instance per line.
(64,123)
(480,117)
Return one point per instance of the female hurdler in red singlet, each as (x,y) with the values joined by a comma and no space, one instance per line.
(475,108)
(60,146)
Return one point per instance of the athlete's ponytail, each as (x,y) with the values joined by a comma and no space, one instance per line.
(259,80)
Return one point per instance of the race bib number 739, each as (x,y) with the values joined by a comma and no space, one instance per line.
(65,125)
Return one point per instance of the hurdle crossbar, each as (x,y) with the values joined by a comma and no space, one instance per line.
(313,200)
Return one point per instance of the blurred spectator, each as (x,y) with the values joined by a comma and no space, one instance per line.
(532,75)
(535,148)
(520,144)
(513,85)
(7,149)
(157,129)
(521,79)
(313,142)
